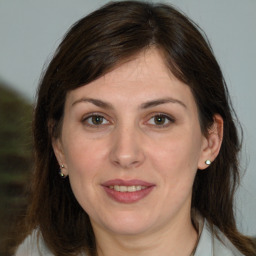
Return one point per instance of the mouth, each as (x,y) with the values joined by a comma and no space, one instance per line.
(123,189)
(127,191)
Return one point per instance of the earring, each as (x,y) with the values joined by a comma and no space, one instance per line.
(208,162)
(62,175)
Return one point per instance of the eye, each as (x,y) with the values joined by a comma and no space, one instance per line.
(95,120)
(161,120)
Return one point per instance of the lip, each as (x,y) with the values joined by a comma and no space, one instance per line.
(120,182)
(127,197)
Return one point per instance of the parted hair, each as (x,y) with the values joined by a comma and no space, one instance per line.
(92,47)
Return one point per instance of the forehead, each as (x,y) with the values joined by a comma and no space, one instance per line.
(141,78)
(147,64)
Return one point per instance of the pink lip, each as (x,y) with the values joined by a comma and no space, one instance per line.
(127,197)
(120,182)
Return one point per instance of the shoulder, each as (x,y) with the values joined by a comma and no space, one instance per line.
(33,245)
(210,245)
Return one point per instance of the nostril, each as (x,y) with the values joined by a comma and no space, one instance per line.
(127,162)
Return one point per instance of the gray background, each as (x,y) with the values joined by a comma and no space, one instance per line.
(30,30)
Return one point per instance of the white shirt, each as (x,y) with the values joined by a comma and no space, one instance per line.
(208,244)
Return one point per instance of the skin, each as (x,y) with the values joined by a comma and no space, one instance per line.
(128,143)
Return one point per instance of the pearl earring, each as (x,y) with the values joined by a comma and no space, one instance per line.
(62,175)
(208,162)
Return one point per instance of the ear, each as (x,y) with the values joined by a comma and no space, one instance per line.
(59,154)
(211,142)
(57,146)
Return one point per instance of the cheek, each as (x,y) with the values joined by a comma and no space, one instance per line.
(84,160)
(82,154)
(176,158)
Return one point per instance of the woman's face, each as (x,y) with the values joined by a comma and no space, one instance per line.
(131,144)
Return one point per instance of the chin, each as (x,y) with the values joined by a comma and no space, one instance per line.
(129,230)
(128,225)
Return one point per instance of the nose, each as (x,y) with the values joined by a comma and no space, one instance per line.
(127,148)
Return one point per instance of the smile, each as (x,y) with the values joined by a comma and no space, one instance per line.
(127,188)
(127,191)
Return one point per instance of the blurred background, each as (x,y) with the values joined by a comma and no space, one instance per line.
(31,30)
(15,159)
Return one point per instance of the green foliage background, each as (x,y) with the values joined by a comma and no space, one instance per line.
(15,160)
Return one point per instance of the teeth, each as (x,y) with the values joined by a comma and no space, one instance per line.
(127,188)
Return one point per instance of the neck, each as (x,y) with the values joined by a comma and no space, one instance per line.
(171,240)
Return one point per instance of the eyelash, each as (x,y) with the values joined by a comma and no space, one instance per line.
(94,115)
(90,123)
(167,118)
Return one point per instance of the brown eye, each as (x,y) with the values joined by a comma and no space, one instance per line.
(161,120)
(95,120)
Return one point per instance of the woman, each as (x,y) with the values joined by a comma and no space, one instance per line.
(136,147)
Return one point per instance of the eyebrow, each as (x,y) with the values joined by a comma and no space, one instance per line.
(157,102)
(96,102)
(146,105)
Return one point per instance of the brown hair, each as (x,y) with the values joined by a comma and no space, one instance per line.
(92,47)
